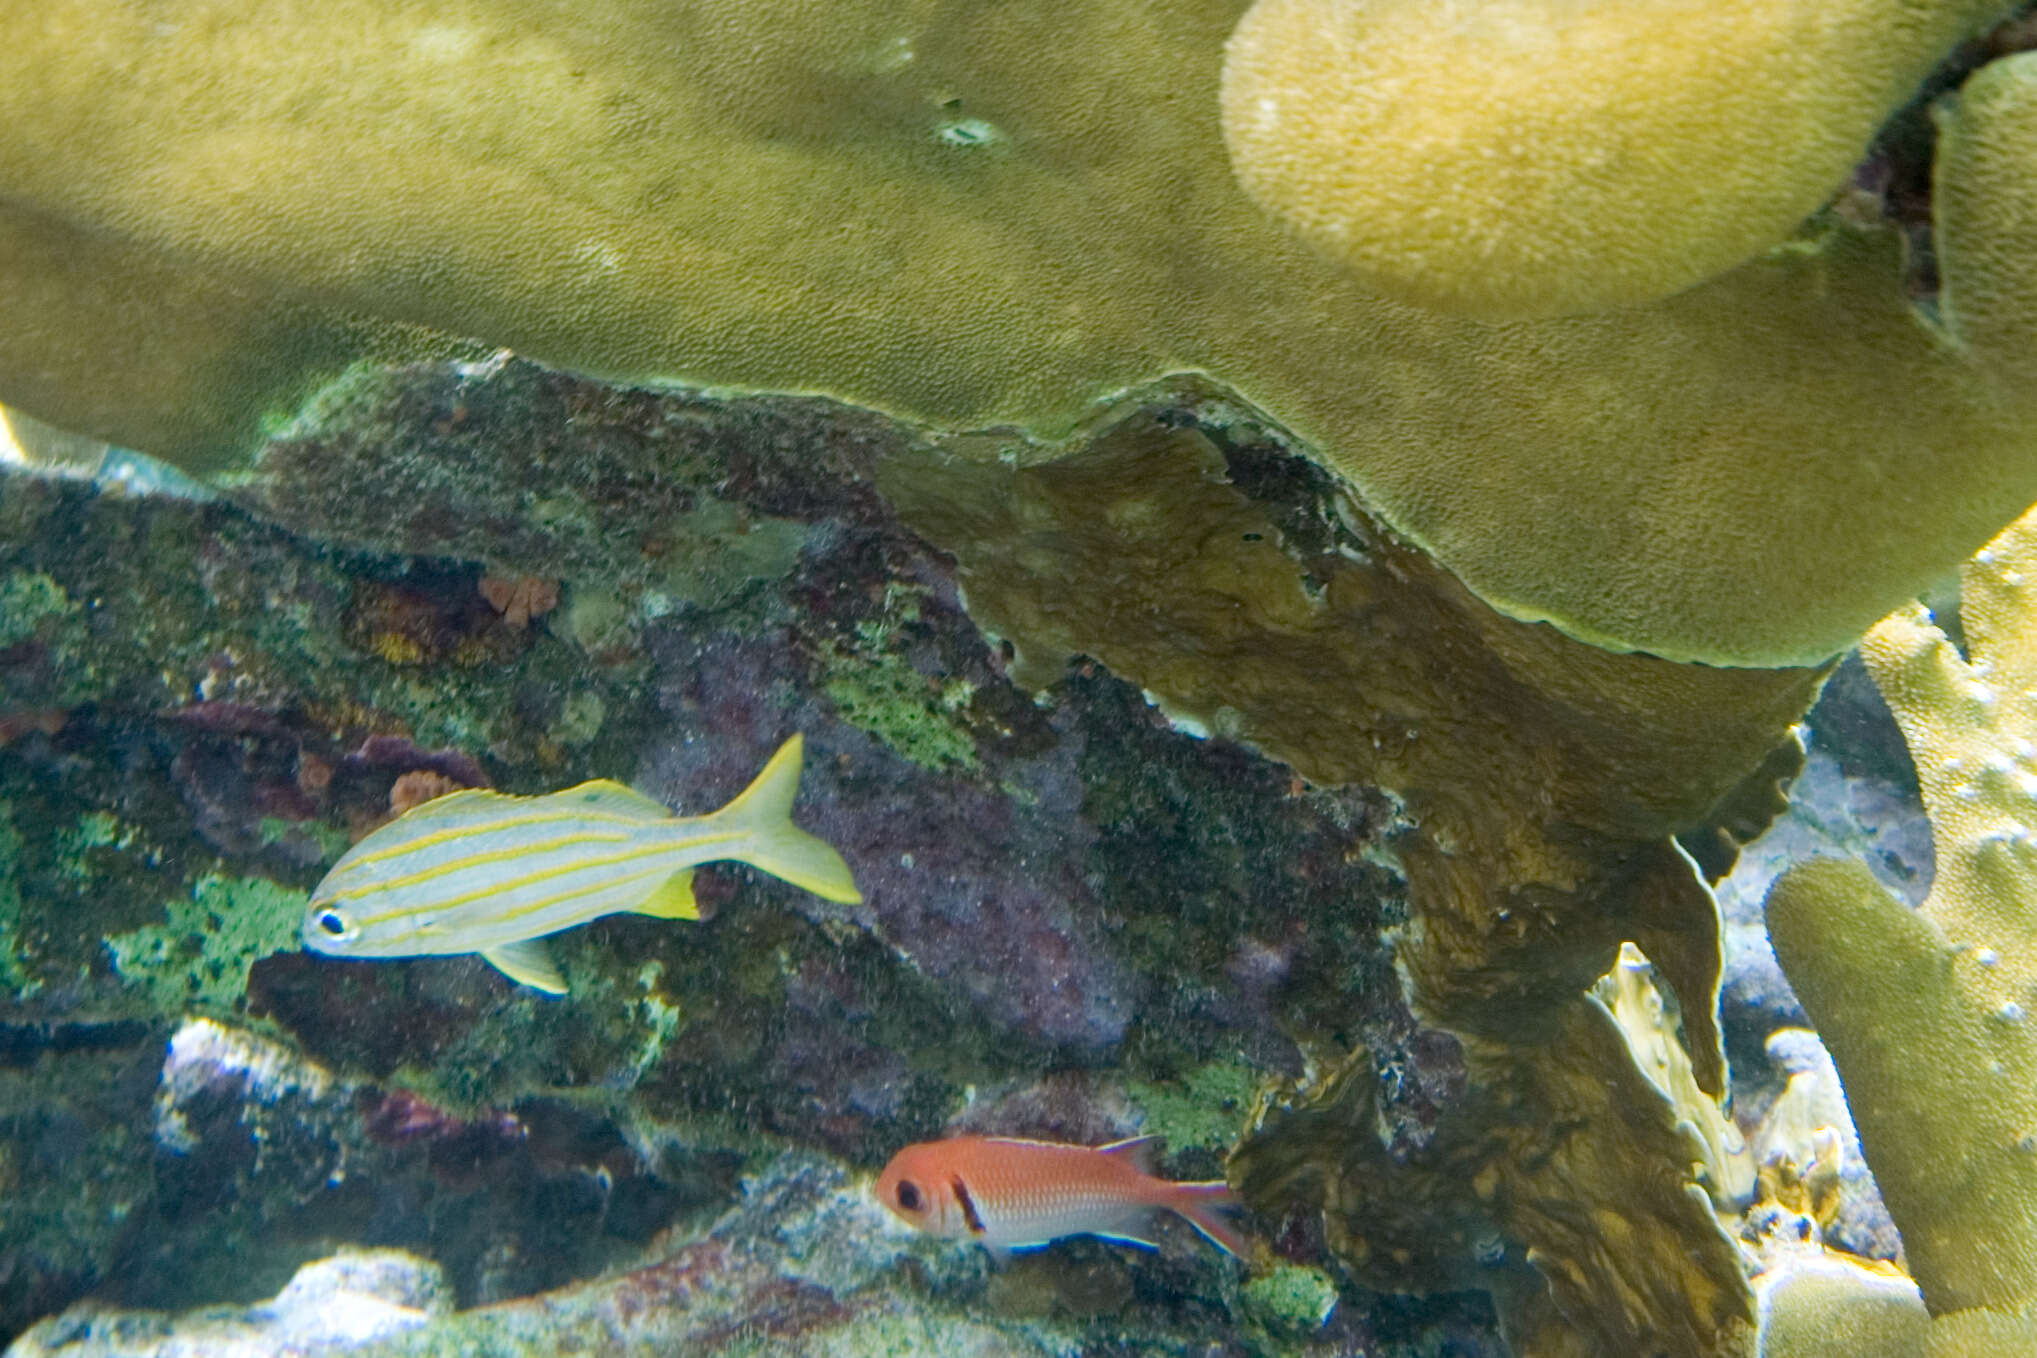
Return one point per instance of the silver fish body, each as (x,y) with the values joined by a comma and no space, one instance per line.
(485,872)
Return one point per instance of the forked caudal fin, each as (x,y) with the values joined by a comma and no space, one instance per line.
(763,813)
(1199,1205)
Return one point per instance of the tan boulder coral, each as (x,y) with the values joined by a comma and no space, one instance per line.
(1931,1014)
(1523,158)
(972,214)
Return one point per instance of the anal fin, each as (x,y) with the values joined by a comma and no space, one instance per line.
(1125,1237)
(673,899)
(527,963)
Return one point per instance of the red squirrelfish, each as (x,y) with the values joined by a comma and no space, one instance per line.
(1019,1195)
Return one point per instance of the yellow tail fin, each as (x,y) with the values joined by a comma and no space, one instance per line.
(764,813)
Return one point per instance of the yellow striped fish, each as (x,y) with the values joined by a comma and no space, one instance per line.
(488,873)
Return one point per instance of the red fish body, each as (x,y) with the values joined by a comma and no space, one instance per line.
(1009,1194)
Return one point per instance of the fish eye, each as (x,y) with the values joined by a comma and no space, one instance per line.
(909,1198)
(331,923)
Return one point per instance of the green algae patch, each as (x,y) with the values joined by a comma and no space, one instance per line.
(894,703)
(876,688)
(213,937)
(634,1020)
(80,848)
(11,973)
(27,598)
(37,612)
(1290,1302)
(1207,1107)
(95,830)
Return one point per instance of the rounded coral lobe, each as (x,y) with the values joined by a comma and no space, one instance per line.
(1537,158)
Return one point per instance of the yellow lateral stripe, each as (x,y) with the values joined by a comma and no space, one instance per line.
(497,888)
(474,860)
(515,822)
(550,901)
(578,865)
(662,869)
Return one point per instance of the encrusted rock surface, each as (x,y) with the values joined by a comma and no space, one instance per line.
(1080,921)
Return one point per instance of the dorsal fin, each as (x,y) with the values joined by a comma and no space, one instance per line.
(452,803)
(605,794)
(1138,1150)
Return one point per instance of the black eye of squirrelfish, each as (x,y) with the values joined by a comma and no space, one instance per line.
(908,1196)
(332,923)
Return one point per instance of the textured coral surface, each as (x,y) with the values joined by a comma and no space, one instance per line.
(1438,152)
(984,214)
(1927,1011)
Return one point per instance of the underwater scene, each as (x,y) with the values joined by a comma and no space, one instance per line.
(1078,678)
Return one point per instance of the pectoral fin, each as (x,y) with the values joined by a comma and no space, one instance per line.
(673,899)
(527,963)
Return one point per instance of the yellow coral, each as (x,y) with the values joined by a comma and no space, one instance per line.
(1824,1306)
(396,648)
(1649,1020)
(1931,1015)
(1515,158)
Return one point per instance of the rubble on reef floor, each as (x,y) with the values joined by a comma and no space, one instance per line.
(804,1263)
(338,1305)
(801,1259)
